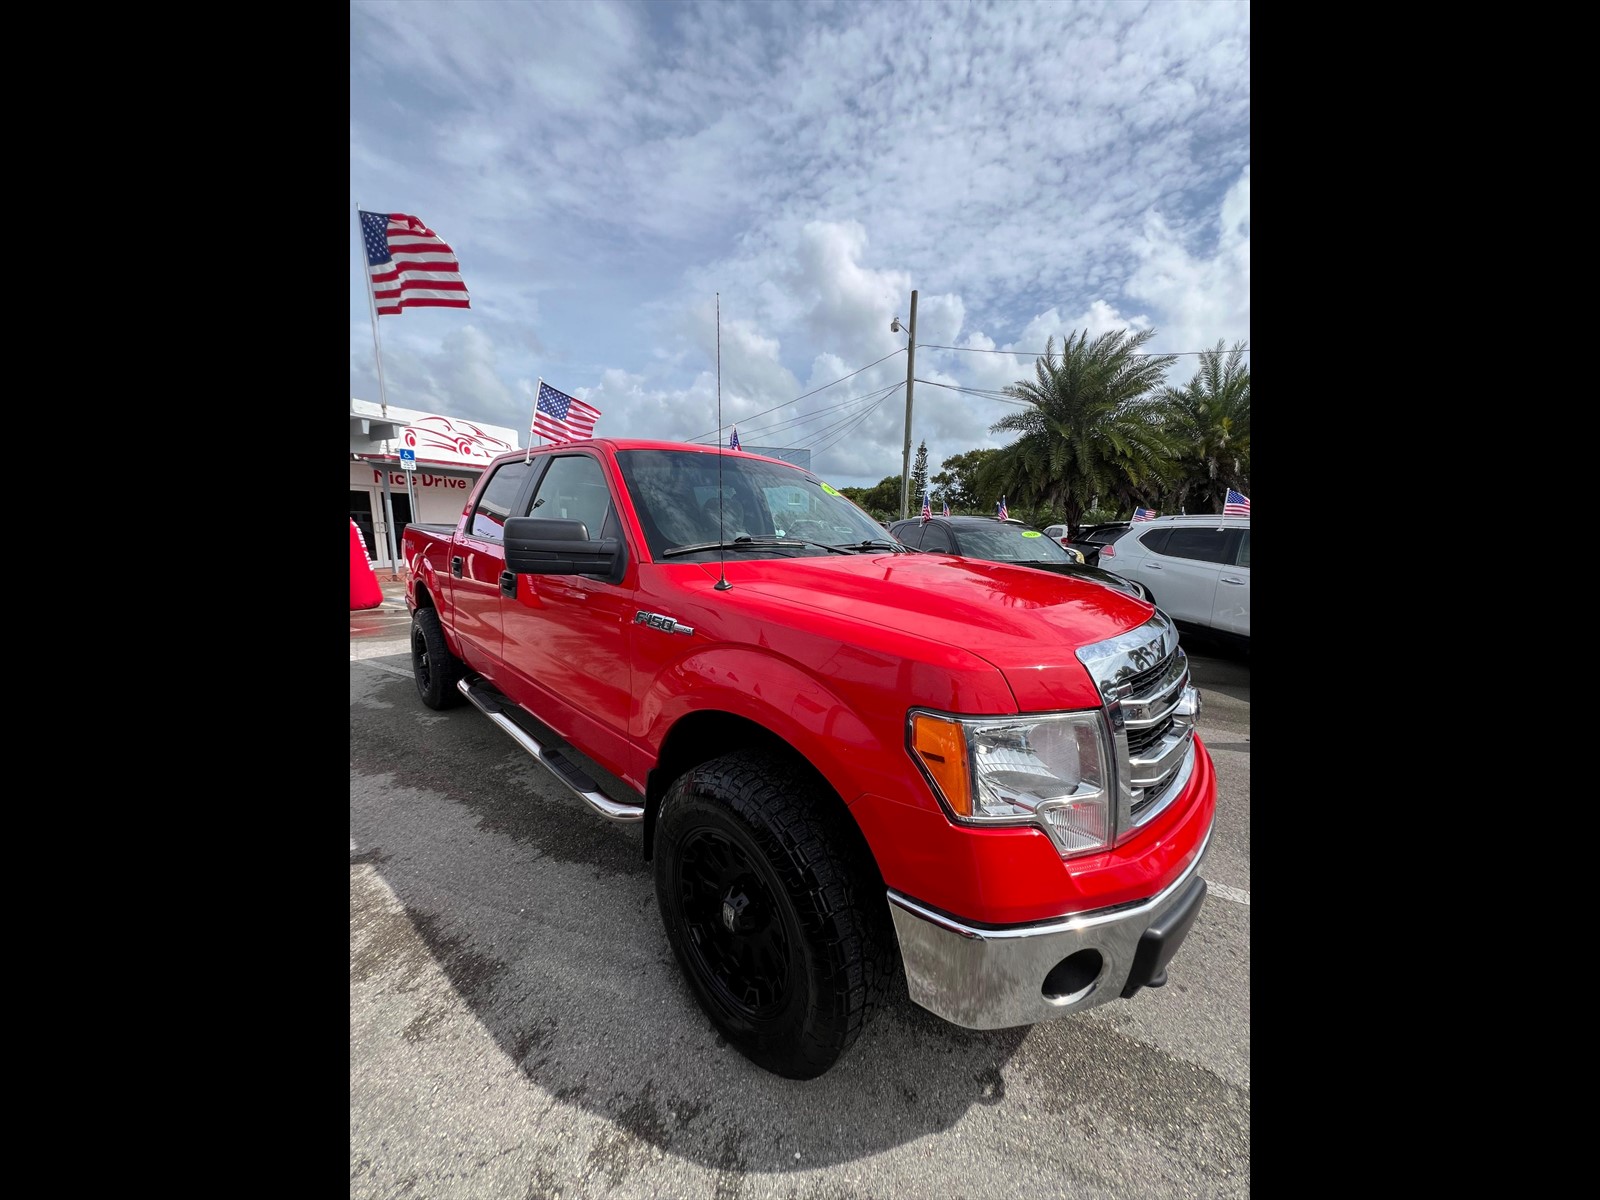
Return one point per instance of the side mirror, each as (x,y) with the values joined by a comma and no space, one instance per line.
(550,546)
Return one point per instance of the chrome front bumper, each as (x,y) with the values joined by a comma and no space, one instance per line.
(1023,974)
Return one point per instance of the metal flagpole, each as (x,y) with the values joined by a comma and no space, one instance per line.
(528,457)
(383,398)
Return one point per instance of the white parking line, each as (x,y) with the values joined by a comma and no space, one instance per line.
(1229,893)
(401,672)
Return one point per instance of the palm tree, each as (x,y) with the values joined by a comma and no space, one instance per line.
(1092,426)
(1211,415)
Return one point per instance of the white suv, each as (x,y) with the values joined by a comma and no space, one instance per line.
(1196,567)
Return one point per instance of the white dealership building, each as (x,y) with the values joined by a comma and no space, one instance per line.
(450,454)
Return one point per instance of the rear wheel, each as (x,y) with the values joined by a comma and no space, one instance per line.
(774,908)
(434,668)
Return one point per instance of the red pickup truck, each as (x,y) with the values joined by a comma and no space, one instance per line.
(848,758)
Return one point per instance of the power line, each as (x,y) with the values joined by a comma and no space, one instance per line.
(717,433)
(804,417)
(794,422)
(849,429)
(981,393)
(1041,353)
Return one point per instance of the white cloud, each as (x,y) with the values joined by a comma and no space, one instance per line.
(608,172)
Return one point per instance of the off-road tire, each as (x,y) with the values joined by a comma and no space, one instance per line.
(816,961)
(434,668)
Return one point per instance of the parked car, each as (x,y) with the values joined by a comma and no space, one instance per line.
(1003,541)
(1197,569)
(1059,533)
(1091,538)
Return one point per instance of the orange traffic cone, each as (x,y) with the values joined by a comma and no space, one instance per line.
(364,589)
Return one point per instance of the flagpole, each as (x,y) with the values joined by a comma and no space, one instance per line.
(528,457)
(383,400)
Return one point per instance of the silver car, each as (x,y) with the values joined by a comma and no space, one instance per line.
(1197,569)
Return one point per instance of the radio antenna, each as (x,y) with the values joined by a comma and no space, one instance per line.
(722,552)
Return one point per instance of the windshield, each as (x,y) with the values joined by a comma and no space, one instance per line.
(1008,543)
(779,510)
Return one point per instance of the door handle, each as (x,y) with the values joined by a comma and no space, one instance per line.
(508,583)
(455,567)
(1229,579)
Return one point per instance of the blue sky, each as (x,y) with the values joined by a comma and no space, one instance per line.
(606,171)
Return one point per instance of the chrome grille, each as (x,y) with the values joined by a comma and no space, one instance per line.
(1143,677)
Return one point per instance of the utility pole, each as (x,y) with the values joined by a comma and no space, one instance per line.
(905,458)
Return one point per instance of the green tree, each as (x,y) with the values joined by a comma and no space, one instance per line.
(881,501)
(919,477)
(1092,427)
(1211,416)
(959,480)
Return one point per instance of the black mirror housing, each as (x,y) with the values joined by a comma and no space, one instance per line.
(551,546)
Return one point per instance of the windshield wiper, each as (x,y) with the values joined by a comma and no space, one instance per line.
(746,542)
(871,544)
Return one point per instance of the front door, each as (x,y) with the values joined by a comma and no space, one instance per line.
(567,636)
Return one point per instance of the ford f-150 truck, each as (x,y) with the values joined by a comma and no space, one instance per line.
(848,759)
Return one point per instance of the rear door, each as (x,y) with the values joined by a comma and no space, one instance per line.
(1231,607)
(907,533)
(936,539)
(477,561)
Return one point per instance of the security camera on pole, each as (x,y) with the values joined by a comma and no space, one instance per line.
(911,366)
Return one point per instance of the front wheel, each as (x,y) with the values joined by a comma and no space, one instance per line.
(774,908)
(434,668)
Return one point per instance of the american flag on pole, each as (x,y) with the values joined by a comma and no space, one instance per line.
(1144,514)
(927,505)
(409,266)
(1237,505)
(947,506)
(733,442)
(562,418)
(1001,511)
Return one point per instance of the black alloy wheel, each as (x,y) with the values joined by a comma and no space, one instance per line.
(735,924)
(774,907)
(434,668)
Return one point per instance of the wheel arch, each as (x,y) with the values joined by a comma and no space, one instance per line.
(701,736)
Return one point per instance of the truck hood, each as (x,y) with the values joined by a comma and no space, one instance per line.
(1025,622)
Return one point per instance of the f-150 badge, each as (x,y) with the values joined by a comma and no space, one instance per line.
(657,621)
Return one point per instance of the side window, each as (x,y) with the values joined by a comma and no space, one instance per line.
(1155,541)
(936,539)
(573,489)
(1244,549)
(494,506)
(1205,545)
(910,535)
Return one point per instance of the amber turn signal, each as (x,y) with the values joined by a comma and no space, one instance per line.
(942,747)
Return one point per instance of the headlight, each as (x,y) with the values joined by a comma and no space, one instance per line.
(1049,771)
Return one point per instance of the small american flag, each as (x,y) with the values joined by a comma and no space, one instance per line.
(561,417)
(1001,511)
(733,442)
(1144,514)
(927,505)
(1237,505)
(409,265)
(947,506)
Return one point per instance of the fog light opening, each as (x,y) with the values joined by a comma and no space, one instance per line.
(1073,977)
